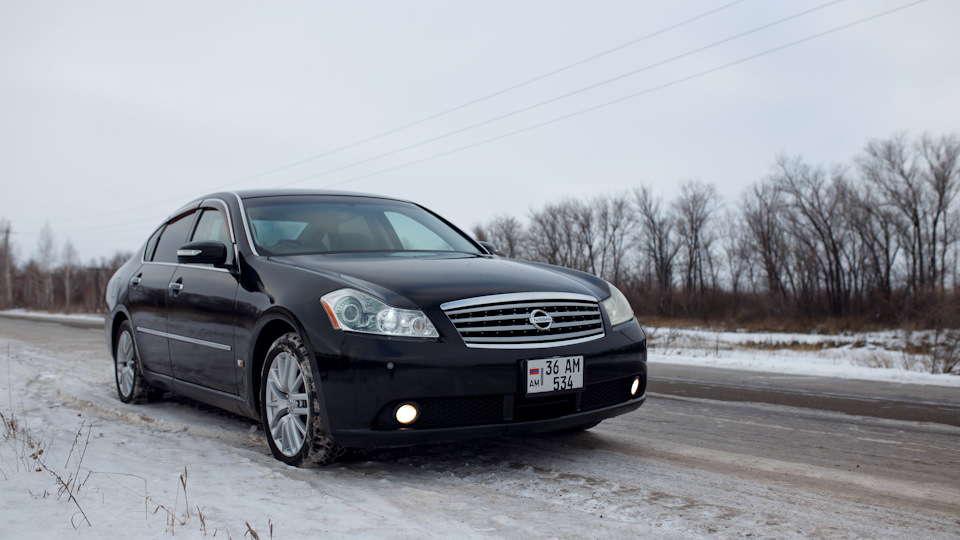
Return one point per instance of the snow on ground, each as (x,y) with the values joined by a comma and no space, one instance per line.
(177,468)
(873,356)
(43,315)
(870,356)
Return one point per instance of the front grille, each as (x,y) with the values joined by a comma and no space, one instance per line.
(526,320)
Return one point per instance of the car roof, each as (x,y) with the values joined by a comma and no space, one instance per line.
(276,192)
(254,193)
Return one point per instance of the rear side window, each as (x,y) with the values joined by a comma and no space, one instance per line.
(173,236)
(151,245)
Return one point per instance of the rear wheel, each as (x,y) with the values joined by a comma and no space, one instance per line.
(131,387)
(291,411)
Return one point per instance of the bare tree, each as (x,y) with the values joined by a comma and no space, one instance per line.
(506,233)
(735,243)
(658,241)
(617,221)
(694,210)
(46,257)
(555,235)
(763,209)
(878,228)
(68,267)
(942,176)
(891,167)
(6,266)
(817,223)
(585,249)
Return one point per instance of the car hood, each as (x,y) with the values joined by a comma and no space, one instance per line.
(428,280)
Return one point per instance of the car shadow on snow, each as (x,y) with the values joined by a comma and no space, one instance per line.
(514,452)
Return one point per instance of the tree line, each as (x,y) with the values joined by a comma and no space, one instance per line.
(53,279)
(874,242)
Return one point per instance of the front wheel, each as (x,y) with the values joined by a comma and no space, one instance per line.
(291,411)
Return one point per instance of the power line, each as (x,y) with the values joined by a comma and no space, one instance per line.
(625,98)
(569,94)
(500,92)
(432,116)
(634,95)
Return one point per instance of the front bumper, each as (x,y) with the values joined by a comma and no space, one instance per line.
(411,436)
(468,393)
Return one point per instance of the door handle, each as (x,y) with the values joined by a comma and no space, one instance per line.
(135,280)
(176,287)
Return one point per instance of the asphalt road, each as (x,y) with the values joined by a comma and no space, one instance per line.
(890,400)
(713,451)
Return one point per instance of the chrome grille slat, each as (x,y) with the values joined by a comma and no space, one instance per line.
(503,321)
(530,305)
(521,327)
(527,339)
(520,317)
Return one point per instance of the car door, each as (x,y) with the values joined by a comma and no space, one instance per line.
(200,309)
(148,291)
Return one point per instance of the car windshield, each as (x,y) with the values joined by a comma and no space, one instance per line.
(296,225)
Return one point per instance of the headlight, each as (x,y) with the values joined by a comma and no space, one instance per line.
(617,306)
(355,311)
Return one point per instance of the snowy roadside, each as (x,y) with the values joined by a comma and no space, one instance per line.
(86,319)
(177,468)
(870,356)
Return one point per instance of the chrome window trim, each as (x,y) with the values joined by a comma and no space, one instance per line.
(226,208)
(515,297)
(233,237)
(246,224)
(198,266)
(185,339)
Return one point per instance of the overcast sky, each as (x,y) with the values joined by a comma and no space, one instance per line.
(112,114)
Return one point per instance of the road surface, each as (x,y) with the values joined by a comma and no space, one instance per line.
(713,452)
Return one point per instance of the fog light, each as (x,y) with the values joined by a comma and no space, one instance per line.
(407,413)
(635,386)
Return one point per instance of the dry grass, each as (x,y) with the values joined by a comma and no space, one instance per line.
(826,325)
(25,452)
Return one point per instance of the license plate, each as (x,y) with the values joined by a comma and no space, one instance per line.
(554,374)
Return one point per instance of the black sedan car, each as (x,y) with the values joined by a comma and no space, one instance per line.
(345,320)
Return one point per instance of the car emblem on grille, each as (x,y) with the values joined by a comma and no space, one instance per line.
(540,320)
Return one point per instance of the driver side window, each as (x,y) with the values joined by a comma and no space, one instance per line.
(212,227)
(172,237)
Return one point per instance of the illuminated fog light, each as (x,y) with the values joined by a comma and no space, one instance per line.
(635,386)
(407,413)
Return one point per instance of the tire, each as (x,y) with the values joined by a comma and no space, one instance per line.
(290,409)
(131,387)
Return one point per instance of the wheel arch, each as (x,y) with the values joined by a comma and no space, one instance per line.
(272,326)
(118,319)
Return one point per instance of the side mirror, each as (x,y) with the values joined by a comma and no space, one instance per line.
(489,247)
(202,253)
